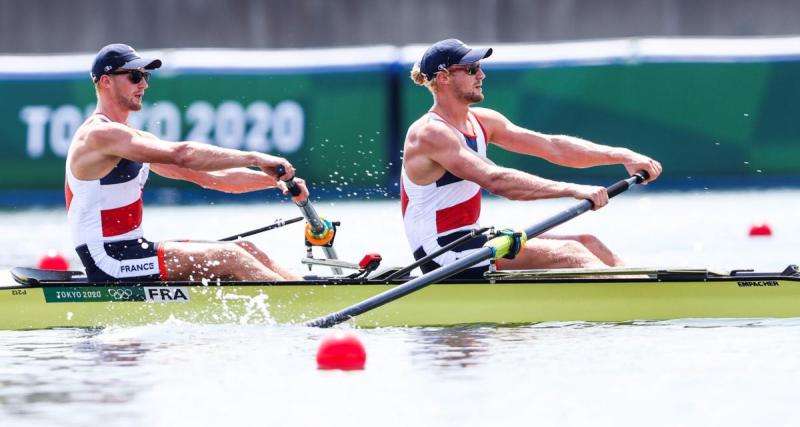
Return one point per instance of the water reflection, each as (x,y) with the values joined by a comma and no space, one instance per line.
(456,347)
(41,371)
(118,354)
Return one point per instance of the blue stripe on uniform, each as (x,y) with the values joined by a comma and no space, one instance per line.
(472,143)
(122,250)
(470,273)
(449,178)
(475,243)
(124,171)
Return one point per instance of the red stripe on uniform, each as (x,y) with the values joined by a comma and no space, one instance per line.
(403,199)
(67,193)
(121,220)
(460,215)
(485,135)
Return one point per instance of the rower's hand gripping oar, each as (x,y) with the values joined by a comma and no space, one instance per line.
(495,248)
(319,232)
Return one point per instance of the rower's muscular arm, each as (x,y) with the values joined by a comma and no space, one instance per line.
(235,180)
(206,165)
(562,149)
(118,140)
(438,143)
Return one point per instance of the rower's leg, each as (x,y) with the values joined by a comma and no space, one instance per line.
(595,246)
(262,257)
(552,253)
(211,260)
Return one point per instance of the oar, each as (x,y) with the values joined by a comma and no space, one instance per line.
(279,223)
(452,245)
(494,248)
(318,227)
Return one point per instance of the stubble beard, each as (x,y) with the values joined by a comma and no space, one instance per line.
(128,103)
(472,97)
(133,105)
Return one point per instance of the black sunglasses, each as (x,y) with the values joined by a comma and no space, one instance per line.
(135,76)
(470,69)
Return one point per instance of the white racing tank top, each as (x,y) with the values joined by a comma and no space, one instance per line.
(442,211)
(108,210)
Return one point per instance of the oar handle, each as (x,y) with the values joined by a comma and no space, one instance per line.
(294,190)
(308,211)
(614,189)
(619,187)
(316,226)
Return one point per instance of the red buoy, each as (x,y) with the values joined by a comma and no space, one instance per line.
(760,230)
(53,260)
(341,351)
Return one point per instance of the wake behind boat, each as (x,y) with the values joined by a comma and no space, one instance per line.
(35,299)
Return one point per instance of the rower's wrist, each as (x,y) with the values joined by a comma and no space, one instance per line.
(622,155)
(571,190)
(255,159)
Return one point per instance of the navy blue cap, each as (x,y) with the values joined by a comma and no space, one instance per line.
(120,56)
(449,52)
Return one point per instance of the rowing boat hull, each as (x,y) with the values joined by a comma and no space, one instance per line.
(511,302)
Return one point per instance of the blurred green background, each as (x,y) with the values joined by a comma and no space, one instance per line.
(720,123)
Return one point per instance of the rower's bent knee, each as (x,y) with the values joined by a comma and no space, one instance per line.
(587,239)
(225,254)
(573,247)
(590,241)
(246,244)
(251,248)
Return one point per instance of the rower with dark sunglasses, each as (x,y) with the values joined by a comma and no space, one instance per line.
(107,166)
(134,75)
(445,167)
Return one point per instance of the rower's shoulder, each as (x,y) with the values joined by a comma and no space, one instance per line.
(88,158)
(99,131)
(427,131)
(487,114)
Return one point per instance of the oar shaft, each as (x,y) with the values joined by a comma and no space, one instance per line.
(309,213)
(472,234)
(484,253)
(376,301)
(583,206)
(314,222)
(261,230)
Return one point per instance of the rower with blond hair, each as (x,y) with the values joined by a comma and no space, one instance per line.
(445,168)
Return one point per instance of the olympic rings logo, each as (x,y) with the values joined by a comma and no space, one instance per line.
(120,294)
